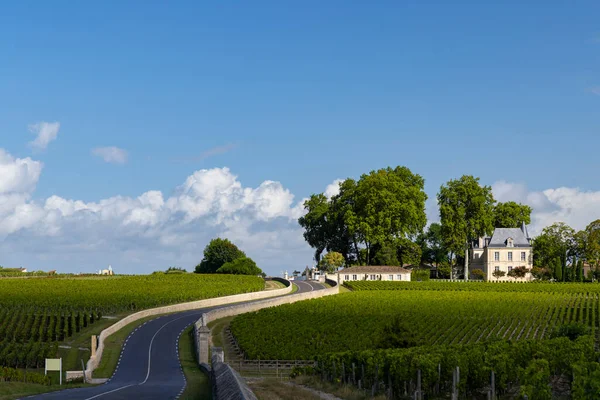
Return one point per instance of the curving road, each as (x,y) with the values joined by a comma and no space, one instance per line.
(149,366)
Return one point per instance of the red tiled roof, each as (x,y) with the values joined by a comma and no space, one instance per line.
(374,269)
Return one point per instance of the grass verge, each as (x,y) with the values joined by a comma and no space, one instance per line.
(198,384)
(342,392)
(16,390)
(273,285)
(271,389)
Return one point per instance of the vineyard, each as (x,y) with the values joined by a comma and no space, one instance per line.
(366,319)
(38,313)
(409,340)
(476,286)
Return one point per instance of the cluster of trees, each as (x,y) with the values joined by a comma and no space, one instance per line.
(560,253)
(371,220)
(380,220)
(223,257)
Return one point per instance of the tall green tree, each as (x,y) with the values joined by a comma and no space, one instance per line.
(316,223)
(558,270)
(432,245)
(216,253)
(380,208)
(332,261)
(390,204)
(579,271)
(555,241)
(592,246)
(466,212)
(409,253)
(511,215)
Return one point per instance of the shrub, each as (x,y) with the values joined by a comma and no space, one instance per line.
(518,272)
(571,331)
(477,274)
(216,254)
(240,266)
(420,274)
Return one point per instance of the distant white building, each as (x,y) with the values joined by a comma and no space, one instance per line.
(373,273)
(108,271)
(508,248)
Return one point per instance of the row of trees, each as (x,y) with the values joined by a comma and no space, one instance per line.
(561,253)
(223,257)
(380,218)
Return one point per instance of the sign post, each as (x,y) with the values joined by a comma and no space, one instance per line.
(54,364)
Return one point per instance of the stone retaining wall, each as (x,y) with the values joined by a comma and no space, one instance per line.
(227,384)
(94,360)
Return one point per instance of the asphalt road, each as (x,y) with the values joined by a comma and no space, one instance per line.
(149,363)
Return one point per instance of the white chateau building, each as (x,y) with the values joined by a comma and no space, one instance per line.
(508,248)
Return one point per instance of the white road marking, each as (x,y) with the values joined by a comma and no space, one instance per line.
(152,341)
(112,391)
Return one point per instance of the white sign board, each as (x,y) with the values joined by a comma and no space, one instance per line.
(54,364)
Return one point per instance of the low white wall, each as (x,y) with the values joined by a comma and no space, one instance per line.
(223,312)
(193,305)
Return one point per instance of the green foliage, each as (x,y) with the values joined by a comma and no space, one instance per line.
(432,245)
(420,274)
(409,253)
(586,381)
(592,244)
(175,270)
(397,335)
(477,274)
(571,331)
(466,212)
(15,375)
(518,272)
(541,273)
(555,241)
(38,313)
(579,271)
(386,254)
(332,261)
(240,266)
(441,313)
(558,275)
(511,215)
(536,380)
(498,274)
(216,253)
(366,214)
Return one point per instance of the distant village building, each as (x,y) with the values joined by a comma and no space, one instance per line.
(108,271)
(373,273)
(508,248)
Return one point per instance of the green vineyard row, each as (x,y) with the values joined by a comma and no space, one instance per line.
(368,319)
(477,286)
(38,313)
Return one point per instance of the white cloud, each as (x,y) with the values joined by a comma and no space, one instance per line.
(150,231)
(572,206)
(45,133)
(333,188)
(19,175)
(111,154)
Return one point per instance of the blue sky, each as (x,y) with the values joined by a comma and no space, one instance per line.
(301,94)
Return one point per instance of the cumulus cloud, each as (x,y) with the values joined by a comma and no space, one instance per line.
(45,133)
(333,188)
(572,206)
(150,231)
(111,154)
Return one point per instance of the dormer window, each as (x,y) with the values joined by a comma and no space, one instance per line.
(509,242)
